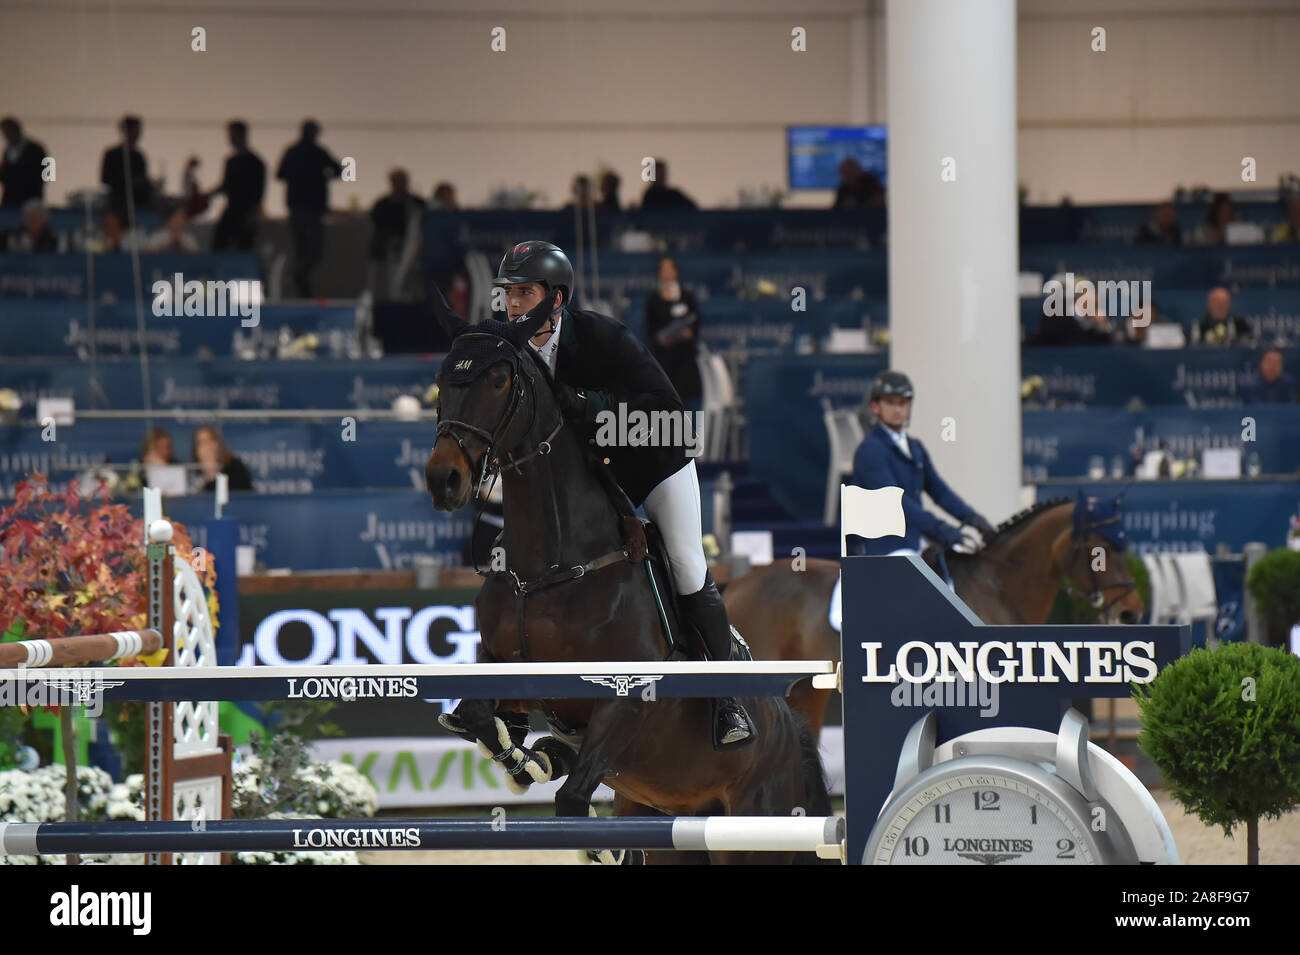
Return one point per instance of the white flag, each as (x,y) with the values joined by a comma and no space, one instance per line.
(877,513)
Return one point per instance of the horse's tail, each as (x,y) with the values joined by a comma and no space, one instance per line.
(817,796)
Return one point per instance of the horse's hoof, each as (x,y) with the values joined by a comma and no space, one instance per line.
(634,857)
(603,856)
(558,755)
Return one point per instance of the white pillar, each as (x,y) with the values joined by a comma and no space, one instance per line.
(953,297)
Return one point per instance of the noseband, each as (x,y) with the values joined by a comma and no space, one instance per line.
(498,439)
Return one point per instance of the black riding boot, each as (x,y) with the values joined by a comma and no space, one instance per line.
(732,727)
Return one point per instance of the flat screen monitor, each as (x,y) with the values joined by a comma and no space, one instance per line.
(814,153)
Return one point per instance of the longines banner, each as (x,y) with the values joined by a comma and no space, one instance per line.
(359,627)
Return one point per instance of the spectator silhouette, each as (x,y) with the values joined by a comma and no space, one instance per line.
(306,169)
(1214,229)
(156,448)
(34,233)
(444,198)
(1162,228)
(1274,385)
(213,457)
(1219,326)
(609,201)
(125,172)
(857,189)
(174,236)
(20,166)
(660,197)
(1289,231)
(580,192)
(395,217)
(244,186)
(672,323)
(115,236)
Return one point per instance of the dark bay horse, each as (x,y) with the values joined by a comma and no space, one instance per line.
(1013,580)
(571,593)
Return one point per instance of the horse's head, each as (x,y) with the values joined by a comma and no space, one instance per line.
(1095,559)
(491,395)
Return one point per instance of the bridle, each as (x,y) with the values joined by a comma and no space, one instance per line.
(500,436)
(1096,597)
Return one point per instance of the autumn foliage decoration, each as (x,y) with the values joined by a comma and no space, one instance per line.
(73,566)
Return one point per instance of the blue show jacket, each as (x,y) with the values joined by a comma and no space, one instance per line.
(879,462)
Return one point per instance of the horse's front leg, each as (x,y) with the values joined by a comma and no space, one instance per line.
(608,736)
(500,734)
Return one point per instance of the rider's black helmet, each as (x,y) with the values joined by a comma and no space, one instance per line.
(536,261)
(891,383)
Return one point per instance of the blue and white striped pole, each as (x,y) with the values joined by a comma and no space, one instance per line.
(820,834)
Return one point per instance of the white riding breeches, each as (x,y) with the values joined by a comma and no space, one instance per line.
(836,614)
(674,506)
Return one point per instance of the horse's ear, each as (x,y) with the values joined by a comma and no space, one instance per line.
(451,323)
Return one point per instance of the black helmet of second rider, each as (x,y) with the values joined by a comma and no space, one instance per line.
(891,383)
(540,262)
(887,384)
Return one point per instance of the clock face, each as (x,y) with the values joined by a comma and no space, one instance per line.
(983,818)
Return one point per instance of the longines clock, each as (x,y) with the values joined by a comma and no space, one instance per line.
(1016,796)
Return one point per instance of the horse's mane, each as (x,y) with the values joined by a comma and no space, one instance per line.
(1013,524)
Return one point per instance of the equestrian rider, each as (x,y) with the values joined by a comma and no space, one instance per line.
(596,364)
(889,457)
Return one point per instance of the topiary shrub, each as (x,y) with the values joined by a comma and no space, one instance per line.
(1224,727)
(1274,582)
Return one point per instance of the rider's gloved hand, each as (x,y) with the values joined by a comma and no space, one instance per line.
(986,529)
(947,535)
(573,403)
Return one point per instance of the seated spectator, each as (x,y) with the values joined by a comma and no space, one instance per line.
(114,236)
(34,234)
(672,324)
(609,201)
(174,236)
(1214,230)
(1289,231)
(392,217)
(1273,387)
(1133,331)
(124,169)
(1162,228)
(858,189)
(213,457)
(660,197)
(156,448)
(1087,326)
(21,166)
(444,198)
(1219,326)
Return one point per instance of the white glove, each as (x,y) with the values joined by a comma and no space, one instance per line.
(972,541)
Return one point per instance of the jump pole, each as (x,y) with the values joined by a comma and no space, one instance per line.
(819,834)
